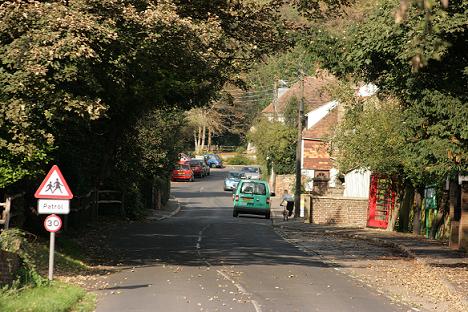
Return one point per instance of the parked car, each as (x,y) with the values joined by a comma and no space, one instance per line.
(206,168)
(197,166)
(231,180)
(252,172)
(182,172)
(252,197)
(214,160)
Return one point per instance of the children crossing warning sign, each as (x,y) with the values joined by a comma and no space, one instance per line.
(54,186)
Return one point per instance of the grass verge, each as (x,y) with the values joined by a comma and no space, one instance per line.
(31,291)
(54,297)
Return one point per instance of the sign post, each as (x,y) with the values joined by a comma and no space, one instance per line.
(54,198)
(52,224)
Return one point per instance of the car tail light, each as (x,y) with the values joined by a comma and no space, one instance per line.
(235,197)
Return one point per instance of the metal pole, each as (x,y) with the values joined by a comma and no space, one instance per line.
(51,255)
(300,113)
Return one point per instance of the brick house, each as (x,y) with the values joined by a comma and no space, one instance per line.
(322,115)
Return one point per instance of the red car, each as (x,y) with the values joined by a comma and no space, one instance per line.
(182,172)
(197,166)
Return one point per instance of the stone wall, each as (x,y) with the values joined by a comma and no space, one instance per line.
(9,264)
(339,210)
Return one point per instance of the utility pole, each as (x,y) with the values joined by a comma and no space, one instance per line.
(300,117)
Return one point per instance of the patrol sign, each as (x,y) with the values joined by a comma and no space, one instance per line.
(57,206)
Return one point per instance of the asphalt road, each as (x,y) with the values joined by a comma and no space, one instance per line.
(203,259)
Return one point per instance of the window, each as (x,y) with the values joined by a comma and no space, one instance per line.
(253,188)
(234,175)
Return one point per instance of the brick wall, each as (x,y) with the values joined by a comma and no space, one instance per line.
(339,210)
(316,155)
(284,182)
(9,264)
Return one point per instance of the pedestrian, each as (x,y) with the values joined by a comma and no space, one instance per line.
(57,185)
(289,199)
(49,187)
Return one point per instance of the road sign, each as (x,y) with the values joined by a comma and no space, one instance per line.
(58,206)
(54,186)
(53,223)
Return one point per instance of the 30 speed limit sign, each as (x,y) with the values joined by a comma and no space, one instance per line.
(53,223)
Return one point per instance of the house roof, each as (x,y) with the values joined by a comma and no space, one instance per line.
(315,93)
(323,128)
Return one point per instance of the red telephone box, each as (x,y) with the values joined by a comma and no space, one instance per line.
(381,201)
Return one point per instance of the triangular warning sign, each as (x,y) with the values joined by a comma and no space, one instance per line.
(54,186)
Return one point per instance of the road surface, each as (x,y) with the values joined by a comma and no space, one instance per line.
(203,259)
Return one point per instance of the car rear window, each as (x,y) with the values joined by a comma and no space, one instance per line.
(250,169)
(183,167)
(195,163)
(253,188)
(235,175)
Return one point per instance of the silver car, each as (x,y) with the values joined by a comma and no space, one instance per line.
(232,179)
(251,172)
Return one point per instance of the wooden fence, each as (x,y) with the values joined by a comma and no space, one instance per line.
(87,207)
(6,213)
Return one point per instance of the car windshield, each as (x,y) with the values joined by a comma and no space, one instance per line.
(234,175)
(250,169)
(253,188)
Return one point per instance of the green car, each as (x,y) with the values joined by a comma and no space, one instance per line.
(252,197)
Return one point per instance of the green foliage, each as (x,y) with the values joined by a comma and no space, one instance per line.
(283,65)
(275,144)
(291,112)
(239,159)
(425,69)
(76,79)
(371,137)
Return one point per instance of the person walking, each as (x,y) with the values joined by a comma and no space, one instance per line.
(289,199)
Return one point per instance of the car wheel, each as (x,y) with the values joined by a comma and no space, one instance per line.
(235,214)
(267,216)
(191,179)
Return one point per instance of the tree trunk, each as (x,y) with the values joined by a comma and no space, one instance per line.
(202,147)
(210,133)
(440,218)
(195,140)
(199,139)
(393,218)
(418,198)
(406,205)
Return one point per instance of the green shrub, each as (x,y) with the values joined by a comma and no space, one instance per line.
(240,149)
(239,160)
(14,241)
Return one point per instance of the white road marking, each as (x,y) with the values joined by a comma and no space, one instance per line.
(239,287)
